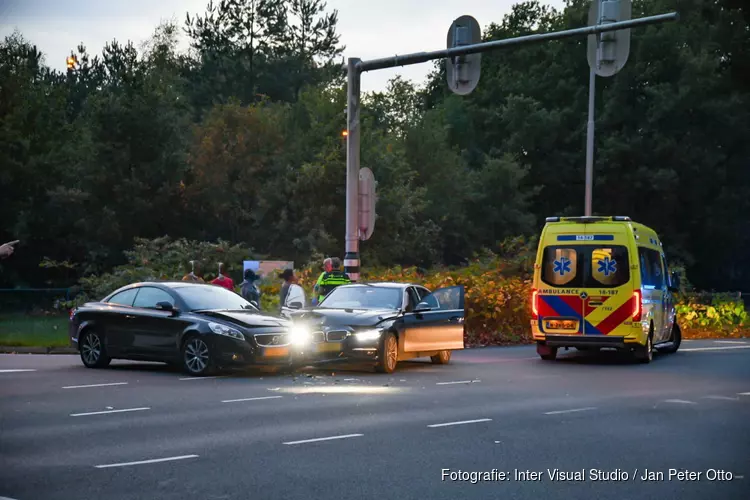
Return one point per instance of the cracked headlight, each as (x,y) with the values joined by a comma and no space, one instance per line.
(227,331)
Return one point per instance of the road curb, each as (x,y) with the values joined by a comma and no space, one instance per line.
(37,350)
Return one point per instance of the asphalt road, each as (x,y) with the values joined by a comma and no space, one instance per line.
(143,431)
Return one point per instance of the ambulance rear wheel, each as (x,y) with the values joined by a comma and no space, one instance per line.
(645,354)
(546,352)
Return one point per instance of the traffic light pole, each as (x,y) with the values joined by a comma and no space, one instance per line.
(355,67)
(590,143)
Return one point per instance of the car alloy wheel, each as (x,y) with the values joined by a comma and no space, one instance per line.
(197,356)
(391,353)
(91,350)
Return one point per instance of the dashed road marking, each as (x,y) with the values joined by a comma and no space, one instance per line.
(108,411)
(680,401)
(250,399)
(152,461)
(461,422)
(557,412)
(16,370)
(694,349)
(93,385)
(744,393)
(722,398)
(729,342)
(201,378)
(458,382)
(346,436)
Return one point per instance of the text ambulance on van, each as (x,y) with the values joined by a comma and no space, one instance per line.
(602,282)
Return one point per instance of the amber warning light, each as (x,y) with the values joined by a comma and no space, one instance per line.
(344,133)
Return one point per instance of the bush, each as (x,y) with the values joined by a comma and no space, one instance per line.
(719,315)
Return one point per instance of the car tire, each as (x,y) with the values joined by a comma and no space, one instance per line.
(441,358)
(674,341)
(645,354)
(94,350)
(388,354)
(197,358)
(546,353)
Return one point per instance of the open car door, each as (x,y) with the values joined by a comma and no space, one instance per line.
(437,322)
(295,300)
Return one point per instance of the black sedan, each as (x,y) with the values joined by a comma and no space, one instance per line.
(197,326)
(385,323)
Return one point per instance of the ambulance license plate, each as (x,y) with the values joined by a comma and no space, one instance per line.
(561,324)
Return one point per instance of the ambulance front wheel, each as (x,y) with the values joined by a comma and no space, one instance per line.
(546,352)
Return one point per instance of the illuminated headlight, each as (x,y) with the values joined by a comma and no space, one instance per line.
(227,331)
(299,335)
(368,335)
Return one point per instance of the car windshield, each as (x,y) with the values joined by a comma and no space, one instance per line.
(363,297)
(199,298)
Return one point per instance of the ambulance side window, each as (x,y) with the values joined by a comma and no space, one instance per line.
(652,273)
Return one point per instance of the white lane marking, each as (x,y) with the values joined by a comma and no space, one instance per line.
(108,411)
(744,393)
(93,385)
(152,461)
(716,348)
(346,436)
(557,412)
(250,399)
(8,498)
(680,401)
(458,382)
(722,398)
(729,342)
(461,423)
(202,378)
(16,371)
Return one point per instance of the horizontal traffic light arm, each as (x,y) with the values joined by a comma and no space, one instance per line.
(420,57)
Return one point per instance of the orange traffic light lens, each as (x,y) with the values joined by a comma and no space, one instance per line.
(345,133)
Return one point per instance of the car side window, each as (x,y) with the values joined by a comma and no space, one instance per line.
(413,299)
(124,298)
(422,292)
(149,296)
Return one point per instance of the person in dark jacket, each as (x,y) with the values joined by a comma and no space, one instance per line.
(249,289)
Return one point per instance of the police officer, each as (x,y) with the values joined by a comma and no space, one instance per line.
(331,279)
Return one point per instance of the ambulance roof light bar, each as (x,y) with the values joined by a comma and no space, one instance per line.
(586,220)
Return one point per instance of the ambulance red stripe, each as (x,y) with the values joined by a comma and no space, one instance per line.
(616,318)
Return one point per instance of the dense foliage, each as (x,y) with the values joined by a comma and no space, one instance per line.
(239,140)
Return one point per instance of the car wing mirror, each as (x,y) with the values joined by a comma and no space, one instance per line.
(295,305)
(423,307)
(166,306)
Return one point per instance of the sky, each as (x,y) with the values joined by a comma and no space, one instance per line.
(369,30)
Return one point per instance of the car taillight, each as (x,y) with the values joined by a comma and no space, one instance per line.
(535,304)
(637,306)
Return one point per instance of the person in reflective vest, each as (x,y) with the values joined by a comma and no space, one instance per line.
(327,268)
(332,279)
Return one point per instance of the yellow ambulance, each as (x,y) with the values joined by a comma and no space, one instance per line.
(602,282)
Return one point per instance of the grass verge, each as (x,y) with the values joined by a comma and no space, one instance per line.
(26,330)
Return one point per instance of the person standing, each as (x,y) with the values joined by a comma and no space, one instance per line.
(191,276)
(327,268)
(289,279)
(249,289)
(332,279)
(223,281)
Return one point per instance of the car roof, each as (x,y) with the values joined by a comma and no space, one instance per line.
(385,284)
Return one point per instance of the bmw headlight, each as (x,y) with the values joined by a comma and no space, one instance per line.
(227,331)
(368,335)
(299,335)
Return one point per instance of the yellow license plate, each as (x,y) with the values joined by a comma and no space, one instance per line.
(561,324)
(276,352)
(329,347)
